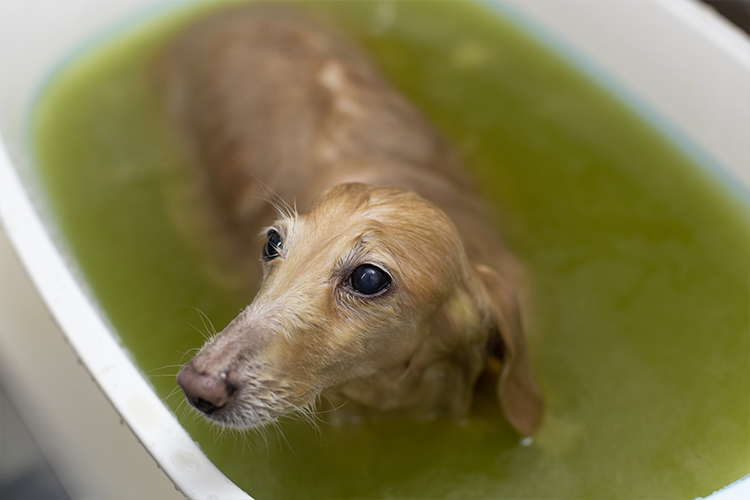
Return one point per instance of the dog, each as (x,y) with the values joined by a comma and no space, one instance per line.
(385,288)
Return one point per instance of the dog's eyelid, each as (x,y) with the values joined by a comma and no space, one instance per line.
(278,227)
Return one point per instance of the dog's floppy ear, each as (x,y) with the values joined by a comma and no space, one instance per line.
(517,388)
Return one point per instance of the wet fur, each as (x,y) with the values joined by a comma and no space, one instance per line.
(268,101)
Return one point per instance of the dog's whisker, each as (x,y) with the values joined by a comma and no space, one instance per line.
(153,371)
(209,330)
(279,204)
(208,325)
(189,353)
(207,336)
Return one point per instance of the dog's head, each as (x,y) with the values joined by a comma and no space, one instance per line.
(367,281)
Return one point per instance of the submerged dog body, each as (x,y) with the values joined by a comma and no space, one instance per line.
(388,291)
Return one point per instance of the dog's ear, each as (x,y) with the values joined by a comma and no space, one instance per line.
(517,388)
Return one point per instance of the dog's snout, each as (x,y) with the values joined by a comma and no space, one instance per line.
(205,390)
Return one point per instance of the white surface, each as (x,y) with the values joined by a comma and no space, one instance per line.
(735,491)
(672,56)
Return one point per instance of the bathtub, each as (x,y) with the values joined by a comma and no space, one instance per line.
(81,395)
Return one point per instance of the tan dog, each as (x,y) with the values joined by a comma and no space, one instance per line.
(389,291)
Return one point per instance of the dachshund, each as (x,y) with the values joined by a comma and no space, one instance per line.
(385,289)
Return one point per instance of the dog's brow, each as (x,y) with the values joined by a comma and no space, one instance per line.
(349,260)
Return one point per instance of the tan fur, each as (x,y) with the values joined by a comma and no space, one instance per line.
(267,100)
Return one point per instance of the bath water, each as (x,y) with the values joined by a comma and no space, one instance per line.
(639,260)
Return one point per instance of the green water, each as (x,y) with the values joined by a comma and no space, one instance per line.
(639,259)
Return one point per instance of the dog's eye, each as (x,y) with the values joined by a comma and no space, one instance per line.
(272,248)
(369,280)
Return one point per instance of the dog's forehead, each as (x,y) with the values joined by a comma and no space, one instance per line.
(370,203)
(352,212)
(356,223)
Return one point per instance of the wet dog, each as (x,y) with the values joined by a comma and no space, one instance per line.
(386,288)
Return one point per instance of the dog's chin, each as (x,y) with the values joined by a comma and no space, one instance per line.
(252,410)
(246,419)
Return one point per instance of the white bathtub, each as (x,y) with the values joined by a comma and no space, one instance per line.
(92,412)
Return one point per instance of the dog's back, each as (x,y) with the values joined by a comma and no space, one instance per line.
(275,104)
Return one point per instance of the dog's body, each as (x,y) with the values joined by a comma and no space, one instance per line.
(390,290)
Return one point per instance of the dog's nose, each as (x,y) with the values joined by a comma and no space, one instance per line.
(205,391)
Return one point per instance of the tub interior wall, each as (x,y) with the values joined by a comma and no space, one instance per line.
(71,28)
(48,42)
(54,39)
(707,113)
